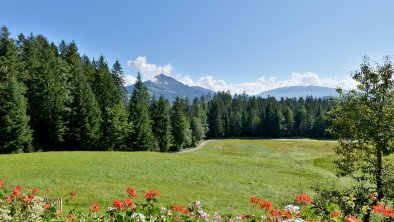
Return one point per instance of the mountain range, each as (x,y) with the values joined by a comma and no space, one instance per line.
(171,88)
(300,91)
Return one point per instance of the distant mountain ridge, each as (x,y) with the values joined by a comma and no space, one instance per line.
(301,91)
(171,88)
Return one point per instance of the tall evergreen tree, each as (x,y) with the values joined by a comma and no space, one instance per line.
(105,93)
(216,125)
(118,127)
(9,63)
(180,126)
(104,87)
(303,122)
(117,75)
(84,118)
(161,126)
(141,137)
(46,92)
(198,122)
(288,123)
(15,132)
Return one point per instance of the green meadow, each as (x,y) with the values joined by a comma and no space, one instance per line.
(223,174)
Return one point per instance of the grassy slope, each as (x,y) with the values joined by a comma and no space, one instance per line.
(223,174)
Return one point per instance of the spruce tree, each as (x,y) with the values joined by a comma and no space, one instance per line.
(9,63)
(181,131)
(118,127)
(84,115)
(161,127)
(47,93)
(103,86)
(15,132)
(288,122)
(216,125)
(198,122)
(141,137)
(105,93)
(117,75)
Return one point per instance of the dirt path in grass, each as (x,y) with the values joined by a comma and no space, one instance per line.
(201,144)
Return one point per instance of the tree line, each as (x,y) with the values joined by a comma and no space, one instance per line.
(52,98)
(251,116)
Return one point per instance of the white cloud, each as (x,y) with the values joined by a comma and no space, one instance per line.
(149,71)
(263,84)
(129,80)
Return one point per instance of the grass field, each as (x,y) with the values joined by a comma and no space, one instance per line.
(223,174)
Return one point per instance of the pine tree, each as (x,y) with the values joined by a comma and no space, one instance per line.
(84,115)
(117,75)
(180,126)
(9,63)
(216,125)
(118,127)
(302,122)
(104,87)
(15,133)
(141,137)
(198,122)
(236,114)
(161,126)
(105,93)
(288,123)
(47,93)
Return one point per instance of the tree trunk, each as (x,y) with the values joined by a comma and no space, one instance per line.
(379,169)
(379,181)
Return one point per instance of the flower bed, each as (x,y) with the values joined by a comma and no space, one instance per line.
(29,205)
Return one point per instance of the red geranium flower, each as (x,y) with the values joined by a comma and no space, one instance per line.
(73,195)
(384,211)
(273,213)
(46,206)
(35,191)
(254,200)
(28,199)
(288,214)
(19,187)
(180,209)
(2,184)
(129,203)
(95,207)
(15,192)
(8,198)
(151,195)
(131,191)
(265,205)
(303,198)
(118,204)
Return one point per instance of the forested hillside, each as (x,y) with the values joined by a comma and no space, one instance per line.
(53,98)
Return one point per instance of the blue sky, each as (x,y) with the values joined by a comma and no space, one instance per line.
(238,45)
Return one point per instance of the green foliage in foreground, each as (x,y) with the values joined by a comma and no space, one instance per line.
(224,174)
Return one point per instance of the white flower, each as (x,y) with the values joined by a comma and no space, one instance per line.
(293,209)
(294,220)
(138,217)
